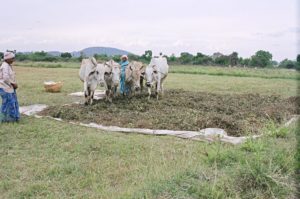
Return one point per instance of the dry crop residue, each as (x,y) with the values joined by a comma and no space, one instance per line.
(184,110)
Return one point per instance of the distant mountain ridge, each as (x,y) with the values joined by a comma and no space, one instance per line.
(94,50)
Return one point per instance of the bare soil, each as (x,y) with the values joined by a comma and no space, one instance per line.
(183,110)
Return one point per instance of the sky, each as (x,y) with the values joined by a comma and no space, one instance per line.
(168,26)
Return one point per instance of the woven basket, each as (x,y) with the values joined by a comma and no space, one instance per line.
(53,87)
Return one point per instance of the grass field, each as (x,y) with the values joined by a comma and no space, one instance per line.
(268,73)
(41,158)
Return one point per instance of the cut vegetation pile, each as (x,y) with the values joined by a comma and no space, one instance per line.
(184,110)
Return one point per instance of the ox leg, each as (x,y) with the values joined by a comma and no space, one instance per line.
(92,97)
(141,84)
(149,92)
(110,96)
(106,95)
(162,87)
(157,89)
(115,91)
(91,89)
(87,96)
(86,93)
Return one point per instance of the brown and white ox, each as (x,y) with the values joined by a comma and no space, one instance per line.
(133,76)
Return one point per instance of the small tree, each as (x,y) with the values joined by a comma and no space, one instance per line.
(172,58)
(186,58)
(298,62)
(1,55)
(233,59)
(66,55)
(246,62)
(223,60)
(201,59)
(148,55)
(289,64)
(261,59)
(274,63)
(116,58)
(133,57)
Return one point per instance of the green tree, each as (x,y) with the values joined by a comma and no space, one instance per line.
(147,55)
(101,57)
(246,62)
(186,58)
(286,63)
(133,57)
(274,63)
(233,59)
(223,60)
(261,59)
(172,58)
(1,55)
(201,59)
(66,55)
(116,58)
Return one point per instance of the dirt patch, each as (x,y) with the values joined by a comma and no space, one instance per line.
(184,110)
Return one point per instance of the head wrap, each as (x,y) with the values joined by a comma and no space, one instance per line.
(124,56)
(8,55)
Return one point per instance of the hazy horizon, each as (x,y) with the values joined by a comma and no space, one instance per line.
(161,26)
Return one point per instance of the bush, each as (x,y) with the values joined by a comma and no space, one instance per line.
(276,131)
(252,145)
(289,64)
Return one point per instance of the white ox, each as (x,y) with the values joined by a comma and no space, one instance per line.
(155,74)
(112,78)
(91,74)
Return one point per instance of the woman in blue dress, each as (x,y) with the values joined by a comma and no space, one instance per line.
(8,86)
(124,63)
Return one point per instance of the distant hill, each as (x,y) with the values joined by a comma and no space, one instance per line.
(101,51)
(91,51)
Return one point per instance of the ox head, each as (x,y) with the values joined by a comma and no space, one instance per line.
(113,72)
(100,70)
(151,75)
(134,74)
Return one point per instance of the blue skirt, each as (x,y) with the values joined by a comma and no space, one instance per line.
(10,107)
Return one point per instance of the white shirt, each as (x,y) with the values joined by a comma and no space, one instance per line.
(7,77)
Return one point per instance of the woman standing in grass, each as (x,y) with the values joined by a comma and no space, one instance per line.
(124,63)
(8,86)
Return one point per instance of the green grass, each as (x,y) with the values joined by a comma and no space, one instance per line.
(31,89)
(42,158)
(267,73)
(60,160)
(48,64)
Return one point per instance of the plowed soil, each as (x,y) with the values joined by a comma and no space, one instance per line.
(184,110)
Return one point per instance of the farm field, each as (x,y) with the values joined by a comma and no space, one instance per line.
(42,158)
(188,69)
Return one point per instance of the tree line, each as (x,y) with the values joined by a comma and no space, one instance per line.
(261,58)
